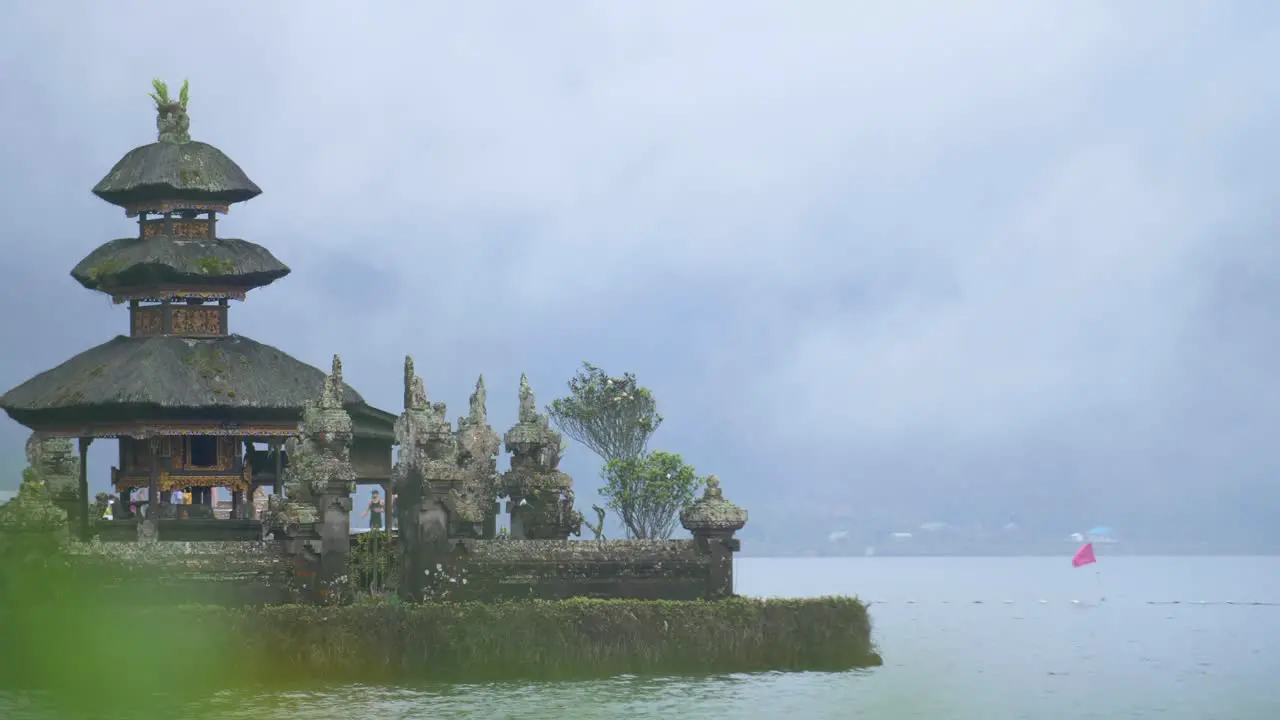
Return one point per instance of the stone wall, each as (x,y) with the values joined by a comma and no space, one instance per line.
(370,458)
(223,573)
(548,569)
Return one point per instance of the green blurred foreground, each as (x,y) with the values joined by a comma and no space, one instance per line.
(62,631)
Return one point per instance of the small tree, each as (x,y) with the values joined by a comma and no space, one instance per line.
(614,417)
(649,491)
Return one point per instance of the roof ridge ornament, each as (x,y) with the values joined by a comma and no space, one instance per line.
(172,121)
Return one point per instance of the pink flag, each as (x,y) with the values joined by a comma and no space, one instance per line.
(1084,556)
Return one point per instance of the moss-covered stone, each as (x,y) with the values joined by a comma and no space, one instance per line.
(210,265)
(31,510)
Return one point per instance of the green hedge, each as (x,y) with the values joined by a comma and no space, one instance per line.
(61,632)
(110,655)
(557,639)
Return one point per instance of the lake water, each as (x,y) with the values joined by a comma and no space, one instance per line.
(964,638)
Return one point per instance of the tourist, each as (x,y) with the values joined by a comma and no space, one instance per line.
(374,512)
(106,514)
(176,497)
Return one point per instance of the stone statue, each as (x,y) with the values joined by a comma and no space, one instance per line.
(439,469)
(172,122)
(541,496)
(57,465)
(320,456)
(415,393)
(478,446)
(528,405)
(33,509)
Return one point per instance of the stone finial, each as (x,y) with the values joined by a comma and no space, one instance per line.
(528,404)
(331,395)
(320,456)
(172,122)
(415,391)
(712,514)
(478,414)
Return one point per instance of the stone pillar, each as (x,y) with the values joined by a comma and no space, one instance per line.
(55,461)
(149,526)
(426,475)
(334,528)
(321,480)
(712,521)
(83,508)
(491,521)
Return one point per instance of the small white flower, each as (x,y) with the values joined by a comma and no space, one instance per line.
(464,581)
(439,567)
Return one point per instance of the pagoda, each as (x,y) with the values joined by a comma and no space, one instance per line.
(182,394)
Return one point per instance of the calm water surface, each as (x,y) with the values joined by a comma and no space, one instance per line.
(971,639)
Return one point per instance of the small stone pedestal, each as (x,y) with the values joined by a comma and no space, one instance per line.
(713,521)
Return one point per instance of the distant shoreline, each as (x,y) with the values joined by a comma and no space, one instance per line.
(961,555)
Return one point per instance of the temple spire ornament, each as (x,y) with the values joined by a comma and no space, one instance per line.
(172,122)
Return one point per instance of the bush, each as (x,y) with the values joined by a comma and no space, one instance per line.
(554,639)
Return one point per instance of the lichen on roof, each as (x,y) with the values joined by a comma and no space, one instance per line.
(132,374)
(190,170)
(156,261)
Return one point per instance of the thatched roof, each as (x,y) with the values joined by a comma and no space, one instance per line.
(132,378)
(156,261)
(193,171)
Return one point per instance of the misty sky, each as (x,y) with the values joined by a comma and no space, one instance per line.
(884,262)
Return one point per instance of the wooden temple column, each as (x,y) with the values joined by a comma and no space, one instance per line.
(277,448)
(386,506)
(84,487)
(153,486)
(237,496)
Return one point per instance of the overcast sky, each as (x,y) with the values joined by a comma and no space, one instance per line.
(883,261)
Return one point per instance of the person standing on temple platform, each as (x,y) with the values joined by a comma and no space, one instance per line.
(374,512)
(176,497)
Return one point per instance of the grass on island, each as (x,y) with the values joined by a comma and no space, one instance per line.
(62,633)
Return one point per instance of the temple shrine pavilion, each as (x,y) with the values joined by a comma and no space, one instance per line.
(193,406)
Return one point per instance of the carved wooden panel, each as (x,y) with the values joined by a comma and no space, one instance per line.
(225,454)
(177,228)
(146,321)
(197,321)
(159,207)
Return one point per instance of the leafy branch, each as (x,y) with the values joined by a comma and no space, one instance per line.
(161,94)
(614,417)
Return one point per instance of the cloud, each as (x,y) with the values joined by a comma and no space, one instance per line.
(835,238)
